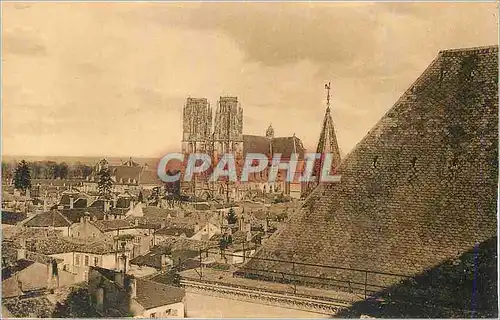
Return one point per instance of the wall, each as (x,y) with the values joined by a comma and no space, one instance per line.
(85,229)
(161,312)
(116,299)
(209,230)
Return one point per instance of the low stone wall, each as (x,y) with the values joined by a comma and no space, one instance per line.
(266,298)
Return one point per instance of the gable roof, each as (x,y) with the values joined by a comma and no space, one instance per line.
(174,230)
(52,218)
(74,215)
(418,189)
(255,144)
(153,294)
(288,145)
(149,294)
(110,225)
(123,174)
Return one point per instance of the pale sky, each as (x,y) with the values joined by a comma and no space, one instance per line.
(110,79)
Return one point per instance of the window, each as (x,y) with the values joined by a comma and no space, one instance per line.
(93,235)
(78,234)
(173,312)
(86,261)
(77,260)
(96,261)
(153,315)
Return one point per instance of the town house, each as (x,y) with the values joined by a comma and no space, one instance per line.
(116,294)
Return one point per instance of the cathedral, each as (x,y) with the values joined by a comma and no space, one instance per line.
(225,135)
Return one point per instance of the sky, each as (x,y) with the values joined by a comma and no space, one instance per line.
(111,79)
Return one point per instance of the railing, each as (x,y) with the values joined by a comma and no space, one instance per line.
(352,280)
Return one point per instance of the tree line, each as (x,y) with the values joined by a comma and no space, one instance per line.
(49,170)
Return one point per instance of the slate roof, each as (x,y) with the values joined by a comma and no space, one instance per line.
(149,211)
(122,174)
(150,177)
(149,294)
(74,215)
(153,294)
(12,218)
(418,189)
(173,230)
(286,146)
(110,225)
(263,145)
(52,218)
(147,222)
(255,144)
(150,259)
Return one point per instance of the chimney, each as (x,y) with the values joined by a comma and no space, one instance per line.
(21,254)
(71,202)
(131,204)
(163,261)
(133,288)
(119,277)
(81,219)
(106,205)
(136,222)
(50,274)
(114,202)
(45,205)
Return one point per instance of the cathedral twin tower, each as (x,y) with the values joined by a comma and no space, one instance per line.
(222,135)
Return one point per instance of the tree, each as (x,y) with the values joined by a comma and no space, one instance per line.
(63,170)
(105,183)
(231,217)
(6,170)
(22,177)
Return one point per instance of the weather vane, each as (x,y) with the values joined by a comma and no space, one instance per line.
(328,87)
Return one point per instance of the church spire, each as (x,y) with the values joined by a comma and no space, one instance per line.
(327,140)
(328,87)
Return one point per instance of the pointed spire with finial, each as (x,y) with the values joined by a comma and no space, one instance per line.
(327,140)
(328,88)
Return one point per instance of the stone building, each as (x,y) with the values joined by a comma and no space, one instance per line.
(227,137)
(115,294)
(197,125)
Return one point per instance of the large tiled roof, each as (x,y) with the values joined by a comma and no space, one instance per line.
(124,173)
(255,144)
(52,218)
(153,294)
(150,177)
(286,146)
(420,188)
